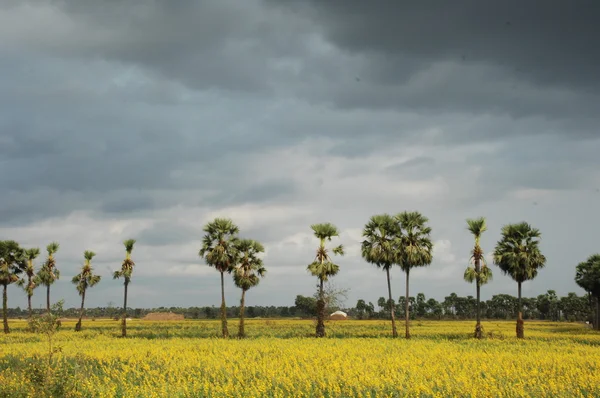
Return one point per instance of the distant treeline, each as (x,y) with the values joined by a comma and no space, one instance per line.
(546,306)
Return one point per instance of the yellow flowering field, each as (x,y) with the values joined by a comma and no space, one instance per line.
(358,358)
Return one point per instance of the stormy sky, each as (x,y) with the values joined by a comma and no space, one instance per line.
(146,119)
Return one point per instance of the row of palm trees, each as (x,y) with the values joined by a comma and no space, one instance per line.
(402,240)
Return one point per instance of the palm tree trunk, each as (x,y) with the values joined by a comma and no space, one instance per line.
(394,330)
(407,335)
(48,298)
(29,305)
(321,312)
(5,309)
(224,329)
(478,329)
(78,325)
(520,326)
(124,320)
(241,331)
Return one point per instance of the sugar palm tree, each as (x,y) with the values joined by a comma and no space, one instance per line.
(416,249)
(323,267)
(518,255)
(12,264)
(28,281)
(247,273)
(219,251)
(587,276)
(84,280)
(477,271)
(380,248)
(125,273)
(49,274)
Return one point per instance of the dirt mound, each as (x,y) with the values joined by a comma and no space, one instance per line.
(338,316)
(163,316)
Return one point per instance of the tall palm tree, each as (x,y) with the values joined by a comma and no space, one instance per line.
(416,249)
(323,267)
(587,276)
(518,255)
(12,264)
(247,273)
(125,273)
(380,248)
(83,281)
(28,282)
(49,274)
(219,251)
(477,270)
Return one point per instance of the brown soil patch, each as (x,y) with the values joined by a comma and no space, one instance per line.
(163,316)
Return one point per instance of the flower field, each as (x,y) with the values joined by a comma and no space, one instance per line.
(279,359)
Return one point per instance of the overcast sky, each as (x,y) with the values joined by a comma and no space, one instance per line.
(146,119)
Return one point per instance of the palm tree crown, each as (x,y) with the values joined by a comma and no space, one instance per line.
(587,275)
(29,284)
(219,244)
(128,264)
(249,268)
(380,244)
(415,242)
(12,261)
(323,267)
(517,253)
(48,274)
(477,227)
(86,277)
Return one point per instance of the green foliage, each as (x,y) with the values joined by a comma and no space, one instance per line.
(323,267)
(380,246)
(12,261)
(49,274)
(517,253)
(416,248)
(249,268)
(219,248)
(587,275)
(127,266)
(477,270)
(86,277)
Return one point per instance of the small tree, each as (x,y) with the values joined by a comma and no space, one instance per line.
(477,271)
(84,280)
(587,276)
(323,268)
(28,282)
(12,264)
(247,273)
(49,274)
(125,273)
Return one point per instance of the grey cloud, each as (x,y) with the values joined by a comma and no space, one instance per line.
(166,233)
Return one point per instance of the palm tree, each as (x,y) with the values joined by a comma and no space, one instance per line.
(588,277)
(48,274)
(380,248)
(12,263)
(30,283)
(125,273)
(478,271)
(247,273)
(518,255)
(83,281)
(219,251)
(323,268)
(415,249)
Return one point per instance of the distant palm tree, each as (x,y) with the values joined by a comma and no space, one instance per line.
(125,273)
(84,280)
(416,249)
(219,251)
(518,255)
(12,264)
(478,271)
(380,248)
(587,276)
(247,273)
(29,284)
(49,274)
(324,268)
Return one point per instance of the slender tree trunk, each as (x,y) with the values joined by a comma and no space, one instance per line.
(29,306)
(241,331)
(520,325)
(224,329)
(78,325)
(48,298)
(5,309)
(124,320)
(478,329)
(321,312)
(407,335)
(392,309)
